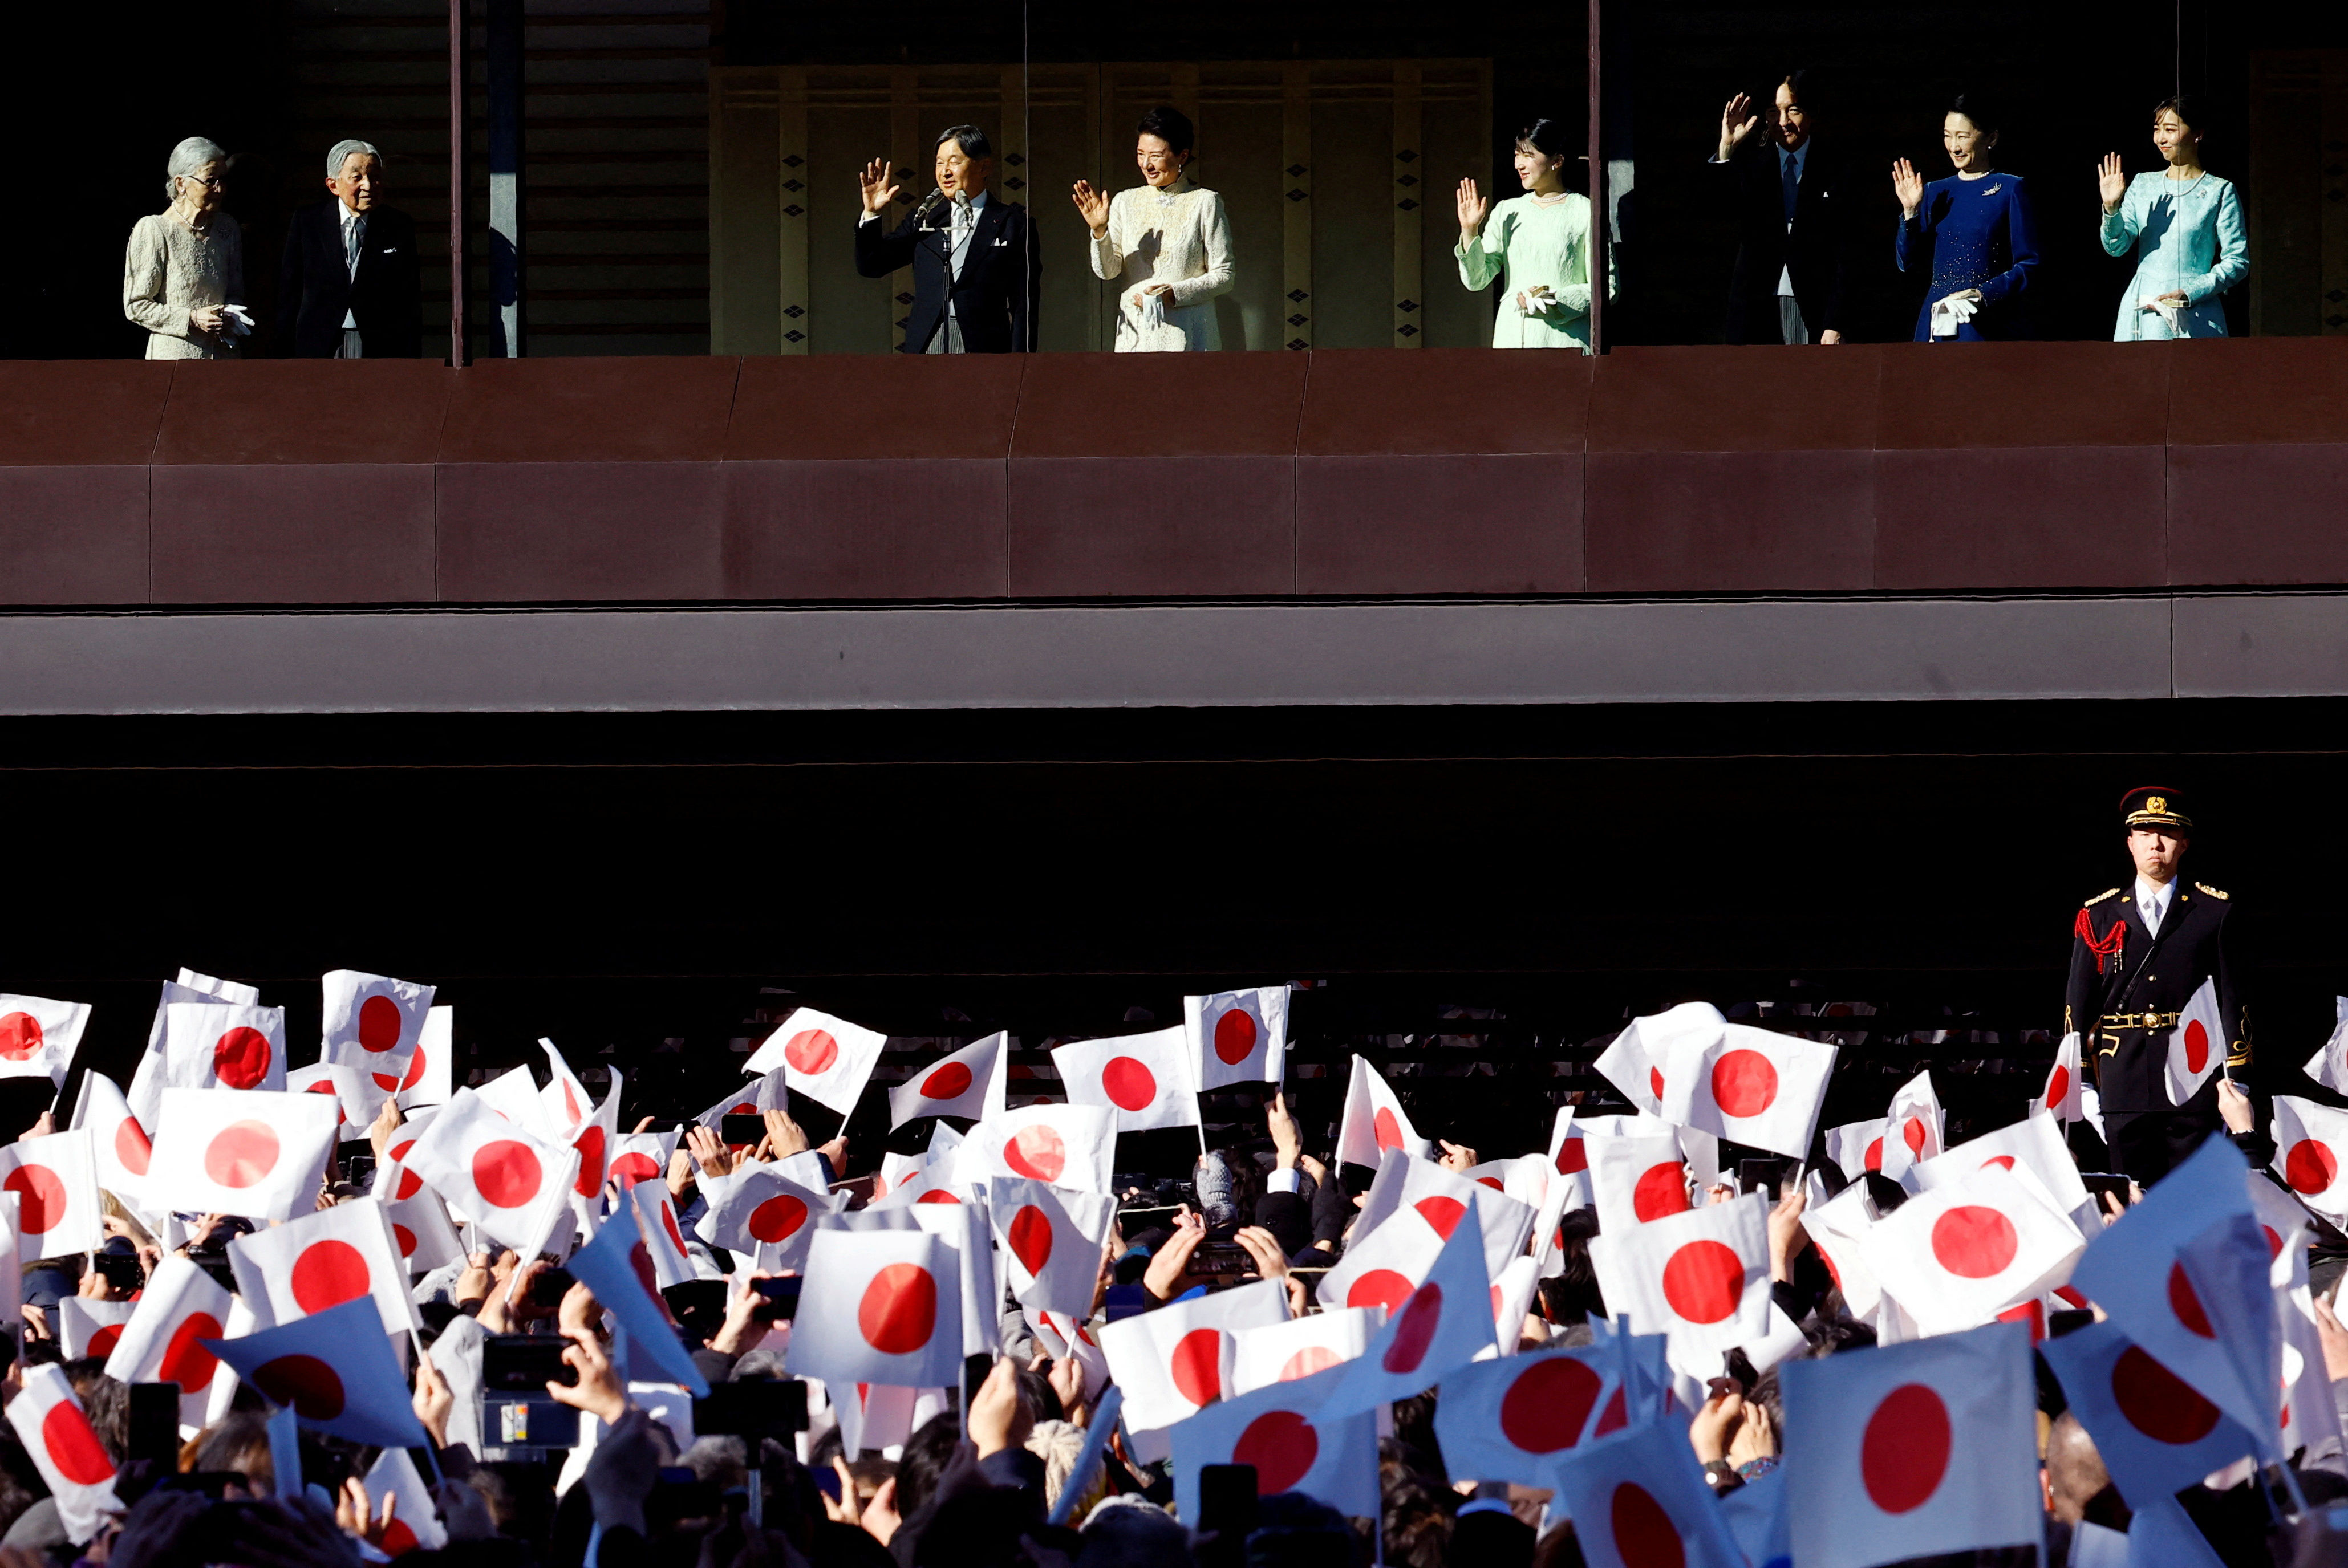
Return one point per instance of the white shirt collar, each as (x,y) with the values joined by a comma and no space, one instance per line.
(2161,893)
(347,216)
(976,202)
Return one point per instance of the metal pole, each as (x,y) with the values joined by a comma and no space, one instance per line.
(1598,271)
(506,130)
(456,344)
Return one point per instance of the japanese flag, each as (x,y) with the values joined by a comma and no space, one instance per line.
(147,1083)
(1701,1277)
(615,1266)
(2155,1434)
(664,1239)
(1146,1079)
(322,1260)
(2311,1150)
(1932,1443)
(1443,1325)
(595,1139)
(2060,1097)
(118,1143)
(964,1227)
(641,1156)
(830,1059)
(511,1184)
(564,1100)
(1285,1432)
(1510,1419)
(55,1179)
(1175,1361)
(224,1045)
(972,1081)
(336,1370)
(1634,1063)
(1441,1197)
(1751,1085)
(414,1517)
(1838,1228)
(421,1230)
(2329,1066)
(1238,1037)
(2035,1143)
(1569,1157)
(1063,1337)
(765,1215)
(356,1100)
(1384,1267)
(2197,1046)
(1373,1120)
(1638,1500)
(403,1142)
(879,1307)
(49,1422)
(1635,1180)
(1856,1147)
(1915,1132)
(767,1091)
(38,1035)
(163,1340)
(253,1153)
(426,1080)
(514,1096)
(373,1023)
(1066,1145)
(1964,1251)
(1053,1238)
(1288,1352)
(90,1326)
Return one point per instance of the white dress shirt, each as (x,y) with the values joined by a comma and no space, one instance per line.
(2152,901)
(353,233)
(1797,157)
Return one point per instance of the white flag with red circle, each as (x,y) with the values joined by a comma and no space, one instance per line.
(1634,1063)
(1294,1445)
(1751,1085)
(117,1141)
(321,1260)
(421,1231)
(1238,1037)
(403,1141)
(767,1091)
(147,1081)
(1916,1120)
(2035,1143)
(163,1342)
(1639,1500)
(1838,1228)
(223,1045)
(1633,1180)
(1510,1420)
(2311,1152)
(373,1023)
(1440,1196)
(640,1157)
(664,1238)
(1062,1338)
(2197,1046)
(414,1517)
(2060,1097)
(1700,1278)
(511,1184)
(1962,1252)
(963,1226)
(1568,1158)
(830,1059)
(595,1140)
(1175,1360)
(356,1100)
(1066,1145)
(1856,1147)
(251,1152)
(2156,1434)
(336,1370)
(38,1035)
(879,1307)
(1373,1120)
(11,1260)
(974,1082)
(1145,1078)
(564,1100)
(54,1178)
(1290,1351)
(50,1423)
(615,1266)
(1383,1268)
(1932,1443)
(1443,1325)
(428,1081)
(763,1214)
(90,1326)
(513,1095)
(1053,1238)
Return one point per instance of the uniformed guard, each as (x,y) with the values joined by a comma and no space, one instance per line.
(2138,953)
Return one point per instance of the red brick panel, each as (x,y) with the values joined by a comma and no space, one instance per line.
(1374,401)
(866,528)
(1730,522)
(1502,524)
(71,412)
(73,535)
(1160,405)
(643,410)
(292,533)
(579,531)
(2021,518)
(843,405)
(1152,527)
(325,411)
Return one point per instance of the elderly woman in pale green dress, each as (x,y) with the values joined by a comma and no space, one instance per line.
(2186,225)
(183,272)
(1537,244)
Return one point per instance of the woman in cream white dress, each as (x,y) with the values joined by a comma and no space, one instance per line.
(1537,244)
(183,272)
(1165,244)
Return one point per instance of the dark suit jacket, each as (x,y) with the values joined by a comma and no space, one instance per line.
(995,297)
(2151,974)
(315,288)
(1817,249)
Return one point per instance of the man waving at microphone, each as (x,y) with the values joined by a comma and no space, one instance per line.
(2138,952)
(975,267)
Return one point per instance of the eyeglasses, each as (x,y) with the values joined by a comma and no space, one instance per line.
(214,183)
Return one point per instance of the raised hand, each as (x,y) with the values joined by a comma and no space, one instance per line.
(1091,206)
(1909,186)
(1737,121)
(1473,210)
(874,185)
(2110,183)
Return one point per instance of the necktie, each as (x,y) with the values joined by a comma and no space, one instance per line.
(1786,166)
(351,241)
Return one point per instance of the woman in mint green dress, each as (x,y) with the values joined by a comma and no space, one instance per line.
(1537,244)
(2186,225)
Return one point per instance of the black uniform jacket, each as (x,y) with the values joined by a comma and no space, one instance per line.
(1816,249)
(2119,968)
(994,297)
(315,288)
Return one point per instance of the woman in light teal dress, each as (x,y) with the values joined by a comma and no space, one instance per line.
(2186,224)
(1537,244)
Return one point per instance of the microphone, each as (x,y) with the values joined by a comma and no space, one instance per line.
(929,204)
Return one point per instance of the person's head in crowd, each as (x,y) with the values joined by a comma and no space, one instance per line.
(2078,1486)
(1573,1297)
(1037,1397)
(103,1400)
(965,162)
(1543,146)
(1126,1531)
(21,1485)
(355,174)
(1969,133)
(1796,103)
(196,179)
(981,1527)
(1293,1530)
(1413,1435)
(238,1444)
(1163,145)
(1490,1536)
(1418,1509)
(2158,831)
(922,1461)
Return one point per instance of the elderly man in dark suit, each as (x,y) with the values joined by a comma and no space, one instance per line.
(1793,212)
(974,256)
(348,289)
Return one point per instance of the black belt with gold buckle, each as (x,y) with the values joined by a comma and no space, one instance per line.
(2141,1019)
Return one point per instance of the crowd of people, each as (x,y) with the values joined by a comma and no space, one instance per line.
(348,286)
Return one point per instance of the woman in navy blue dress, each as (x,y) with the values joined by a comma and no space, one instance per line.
(1972,232)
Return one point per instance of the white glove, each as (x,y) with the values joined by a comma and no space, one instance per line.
(1948,313)
(1153,311)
